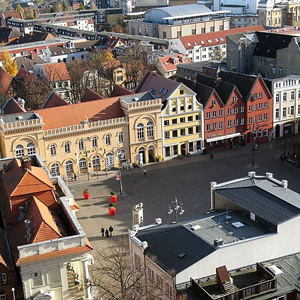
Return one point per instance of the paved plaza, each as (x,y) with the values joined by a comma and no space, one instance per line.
(188,179)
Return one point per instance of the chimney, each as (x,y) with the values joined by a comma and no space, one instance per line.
(26,163)
(284,183)
(269,175)
(251,174)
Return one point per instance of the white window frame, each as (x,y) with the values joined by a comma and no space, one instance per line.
(67,147)
(140,131)
(19,151)
(95,142)
(30,148)
(150,131)
(81,144)
(107,140)
(53,150)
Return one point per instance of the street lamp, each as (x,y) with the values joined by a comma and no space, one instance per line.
(121,157)
(13,293)
(176,207)
(254,133)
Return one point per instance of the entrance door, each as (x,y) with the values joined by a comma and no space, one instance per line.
(277,130)
(182,148)
(109,161)
(142,154)
(151,154)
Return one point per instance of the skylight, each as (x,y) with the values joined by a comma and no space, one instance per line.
(221,39)
(202,42)
(210,41)
(189,44)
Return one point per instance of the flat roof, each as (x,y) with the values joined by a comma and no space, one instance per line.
(14,117)
(145,96)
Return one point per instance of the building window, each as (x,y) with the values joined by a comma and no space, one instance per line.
(284,97)
(4,278)
(174,121)
(214,114)
(82,164)
(298,109)
(69,167)
(36,279)
(277,98)
(284,112)
(235,122)
(280,70)
(181,92)
(30,149)
(121,137)
(215,126)
(250,108)
(265,117)
(293,95)
(277,113)
(81,144)
(260,133)
(53,150)
(197,117)
(55,170)
(174,133)
(208,115)
(213,102)
(260,95)
(250,120)
(242,109)
(229,111)
(190,118)
(67,147)
(266,104)
(107,140)
(208,127)
(166,122)
(191,147)
(96,163)
(273,70)
(175,150)
(265,132)
(260,105)
(182,131)
(292,110)
(182,108)
(236,110)
(182,120)
(198,129)
(167,151)
(167,134)
(220,113)
(95,142)
(190,130)
(140,131)
(255,96)
(19,151)
(150,129)
(259,118)
(255,107)
(220,125)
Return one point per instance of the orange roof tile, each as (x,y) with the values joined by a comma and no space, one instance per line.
(118,90)
(215,38)
(54,100)
(12,107)
(5,80)
(53,254)
(57,72)
(103,109)
(91,95)
(4,256)
(168,61)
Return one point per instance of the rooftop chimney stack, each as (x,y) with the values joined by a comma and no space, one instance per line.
(251,174)
(26,163)
(284,184)
(269,175)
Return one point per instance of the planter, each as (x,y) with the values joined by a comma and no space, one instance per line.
(112,210)
(86,195)
(113,198)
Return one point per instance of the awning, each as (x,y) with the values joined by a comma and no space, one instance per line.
(223,137)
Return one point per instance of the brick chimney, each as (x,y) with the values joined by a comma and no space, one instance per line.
(26,163)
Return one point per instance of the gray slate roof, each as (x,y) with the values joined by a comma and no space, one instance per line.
(261,202)
(167,242)
(14,117)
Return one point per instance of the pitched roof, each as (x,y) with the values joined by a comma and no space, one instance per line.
(112,42)
(168,62)
(118,90)
(4,256)
(34,36)
(27,63)
(54,100)
(214,38)
(167,243)
(156,84)
(90,95)
(5,81)
(11,107)
(57,72)
(6,33)
(74,114)
(269,43)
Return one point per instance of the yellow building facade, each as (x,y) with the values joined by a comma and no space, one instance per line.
(182,123)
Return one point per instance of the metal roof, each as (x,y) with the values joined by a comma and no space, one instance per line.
(14,117)
(261,202)
(145,96)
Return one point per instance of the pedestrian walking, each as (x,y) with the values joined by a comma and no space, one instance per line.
(145,171)
(74,176)
(102,231)
(106,233)
(111,229)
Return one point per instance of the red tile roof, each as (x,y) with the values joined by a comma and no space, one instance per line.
(57,72)
(91,95)
(118,90)
(156,84)
(74,114)
(168,62)
(54,100)
(5,81)
(216,38)
(4,256)
(12,107)
(112,42)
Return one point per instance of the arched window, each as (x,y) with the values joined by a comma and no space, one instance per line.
(55,170)
(82,164)
(107,139)
(81,145)
(140,131)
(121,137)
(96,163)
(67,147)
(95,142)
(53,150)
(19,151)
(30,149)
(69,167)
(150,129)
(109,160)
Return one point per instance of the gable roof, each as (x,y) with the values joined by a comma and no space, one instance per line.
(118,90)
(214,38)
(34,36)
(54,100)
(158,85)
(27,63)
(5,81)
(56,72)
(168,242)
(4,256)
(11,107)
(168,62)
(269,43)
(6,33)
(74,114)
(90,95)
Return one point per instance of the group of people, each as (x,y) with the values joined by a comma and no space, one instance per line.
(108,232)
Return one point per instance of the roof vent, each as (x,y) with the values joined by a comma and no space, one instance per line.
(135,99)
(275,270)
(182,255)
(158,221)
(145,245)
(218,242)
(284,183)
(251,174)
(269,175)
(195,227)
(19,117)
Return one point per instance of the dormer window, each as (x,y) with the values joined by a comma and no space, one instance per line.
(161,90)
(165,91)
(189,44)
(213,102)
(210,41)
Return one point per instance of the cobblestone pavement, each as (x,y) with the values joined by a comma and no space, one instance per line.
(188,179)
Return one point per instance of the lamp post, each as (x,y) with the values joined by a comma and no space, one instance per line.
(13,293)
(254,133)
(121,157)
(176,207)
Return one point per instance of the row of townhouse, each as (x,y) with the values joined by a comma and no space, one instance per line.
(162,120)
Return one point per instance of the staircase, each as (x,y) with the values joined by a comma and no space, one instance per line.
(76,292)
